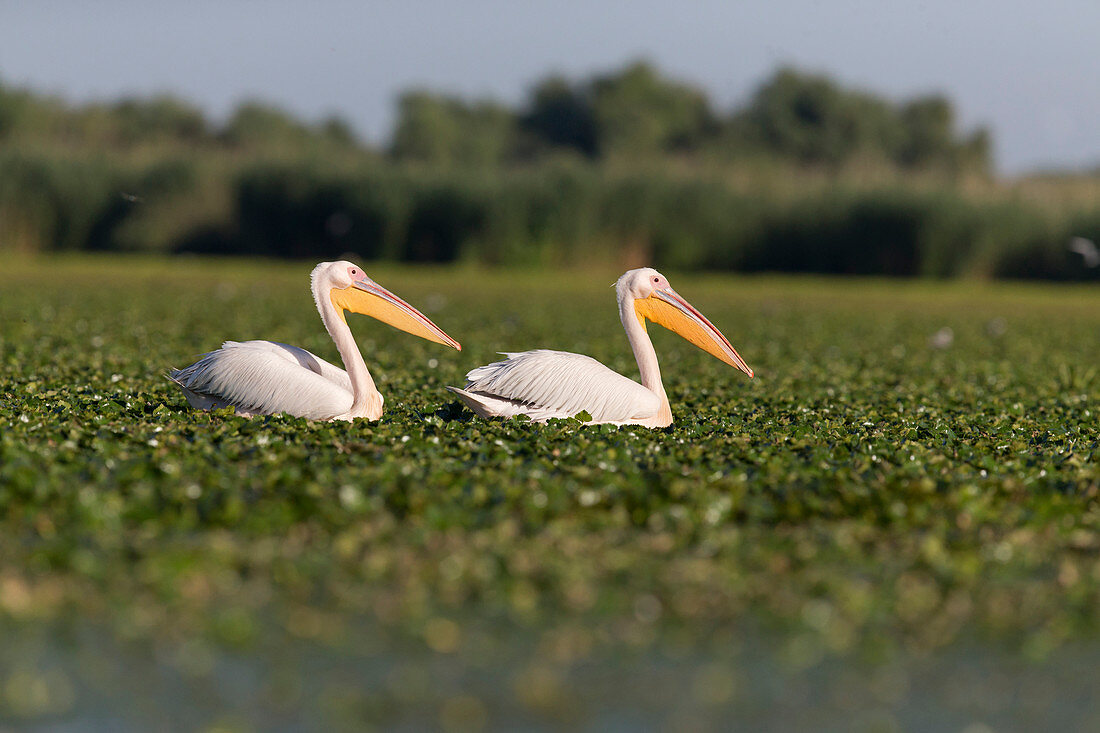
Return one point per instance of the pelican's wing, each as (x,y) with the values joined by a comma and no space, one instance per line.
(545,384)
(265,378)
(298,355)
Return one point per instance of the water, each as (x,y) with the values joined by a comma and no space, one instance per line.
(74,677)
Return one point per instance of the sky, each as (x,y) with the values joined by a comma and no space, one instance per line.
(1030,71)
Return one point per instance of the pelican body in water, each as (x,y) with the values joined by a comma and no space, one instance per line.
(546,384)
(266,378)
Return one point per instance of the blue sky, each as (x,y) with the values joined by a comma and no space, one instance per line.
(1030,71)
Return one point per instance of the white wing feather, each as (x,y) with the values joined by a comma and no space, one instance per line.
(544,384)
(266,378)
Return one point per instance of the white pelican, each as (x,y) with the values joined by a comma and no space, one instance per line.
(545,384)
(265,378)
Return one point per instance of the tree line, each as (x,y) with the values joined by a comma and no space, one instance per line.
(633,112)
(795,116)
(629,166)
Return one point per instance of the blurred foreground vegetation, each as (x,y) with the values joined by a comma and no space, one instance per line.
(625,168)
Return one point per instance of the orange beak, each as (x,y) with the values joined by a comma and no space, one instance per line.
(371,299)
(668,309)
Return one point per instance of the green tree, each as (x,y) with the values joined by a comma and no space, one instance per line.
(337,131)
(560,115)
(930,138)
(976,150)
(158,119)
(443,130)
(812,119)
(638,111)
(24,114)
(256,124)
(11,105)
(809,118)
(928,127)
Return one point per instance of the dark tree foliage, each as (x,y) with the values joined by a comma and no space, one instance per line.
(339,132)
(813,120)
(442,130)
(810,119)
(560,115)
(162,117)
(639,112)
(928,124)
(259,124)
(14,106)
(634,111)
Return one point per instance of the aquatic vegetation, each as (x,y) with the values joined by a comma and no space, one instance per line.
(870,490)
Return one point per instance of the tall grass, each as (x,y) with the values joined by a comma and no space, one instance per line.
(563,212)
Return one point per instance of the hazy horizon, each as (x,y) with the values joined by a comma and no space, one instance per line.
(1030,74)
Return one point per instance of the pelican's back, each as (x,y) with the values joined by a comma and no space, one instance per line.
(266,378)
(545,384)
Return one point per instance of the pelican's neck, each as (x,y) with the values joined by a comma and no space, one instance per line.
(642,346)
(366,399)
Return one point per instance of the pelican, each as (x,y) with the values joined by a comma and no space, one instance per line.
(545,384)
(265,378)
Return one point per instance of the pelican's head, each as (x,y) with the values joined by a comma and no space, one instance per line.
(349,289)
(654,299)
